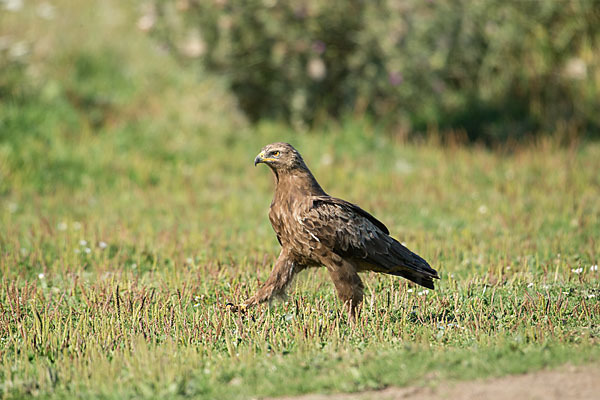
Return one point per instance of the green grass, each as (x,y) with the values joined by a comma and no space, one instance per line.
(128,219)
(143,316)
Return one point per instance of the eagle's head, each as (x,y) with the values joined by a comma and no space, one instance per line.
(280,156)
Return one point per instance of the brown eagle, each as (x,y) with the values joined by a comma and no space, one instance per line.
(315,229)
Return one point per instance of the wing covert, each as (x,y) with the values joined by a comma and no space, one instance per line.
(352,232)
(344,227)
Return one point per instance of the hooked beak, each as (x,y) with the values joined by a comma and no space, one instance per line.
(259,158)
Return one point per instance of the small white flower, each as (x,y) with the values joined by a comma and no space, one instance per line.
(530,285)
(316,69)
(189,260)
(591,296)
(576,69)
(102,245)
(405,167)
(46,11)
(196,305)
(594,268)
(83,242)
(508,267)
(482,209)
(134,266)
(327,159)
(18,50)
(87,250)
(61,226)
(409,290)
(146,22)
(546,287)
(193,46)
(423,292)
(577,270)
(41,275)
(13,5)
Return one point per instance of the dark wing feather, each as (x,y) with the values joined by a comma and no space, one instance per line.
(352,232)
(350,207)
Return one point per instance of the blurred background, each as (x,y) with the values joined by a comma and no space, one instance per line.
(118,112)
(487,70)
(493,69)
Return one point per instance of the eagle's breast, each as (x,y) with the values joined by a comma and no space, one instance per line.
(287,218)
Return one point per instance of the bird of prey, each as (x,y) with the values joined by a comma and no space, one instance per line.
(315,229)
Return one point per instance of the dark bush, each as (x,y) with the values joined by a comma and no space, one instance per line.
(494,68)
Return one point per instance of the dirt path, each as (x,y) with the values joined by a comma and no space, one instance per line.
(580,383)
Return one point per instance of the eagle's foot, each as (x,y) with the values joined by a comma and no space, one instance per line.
(353,312)
(240,308)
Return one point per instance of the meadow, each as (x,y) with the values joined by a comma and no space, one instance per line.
(115,286)
(131,213)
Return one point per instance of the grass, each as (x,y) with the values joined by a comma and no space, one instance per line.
(128,219)
(115,289)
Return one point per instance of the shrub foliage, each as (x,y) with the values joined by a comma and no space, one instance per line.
(493,68)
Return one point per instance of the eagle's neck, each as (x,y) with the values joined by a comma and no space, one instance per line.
(296,184)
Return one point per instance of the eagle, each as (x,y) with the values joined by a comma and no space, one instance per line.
(315,229)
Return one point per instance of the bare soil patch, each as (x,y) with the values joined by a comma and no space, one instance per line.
(582,382)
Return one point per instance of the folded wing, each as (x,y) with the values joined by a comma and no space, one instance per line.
(353,233)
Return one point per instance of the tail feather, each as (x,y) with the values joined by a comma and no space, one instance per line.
(400,261)
(423,280)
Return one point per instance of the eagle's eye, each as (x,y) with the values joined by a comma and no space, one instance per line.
(275,154)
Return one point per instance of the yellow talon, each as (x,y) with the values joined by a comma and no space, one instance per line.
(239,308)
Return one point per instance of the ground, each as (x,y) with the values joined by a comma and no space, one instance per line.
(565,383)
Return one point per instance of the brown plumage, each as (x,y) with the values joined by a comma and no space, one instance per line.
(315,229)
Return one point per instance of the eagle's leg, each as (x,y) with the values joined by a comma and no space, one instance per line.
(280,278)
(347,283)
